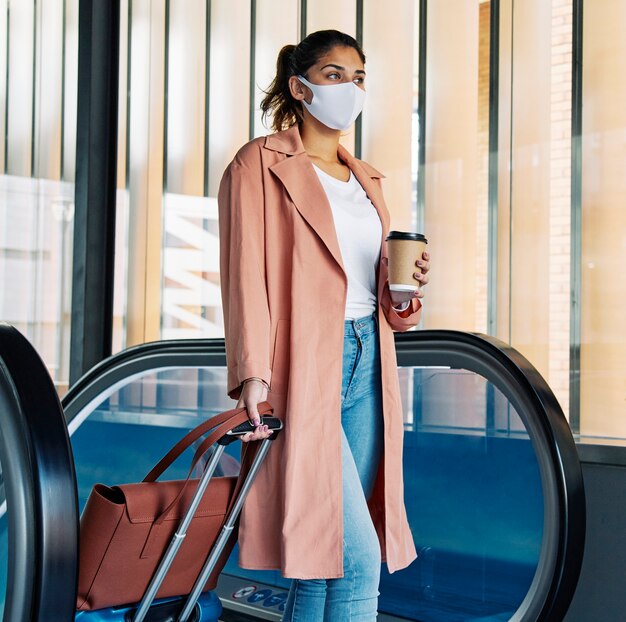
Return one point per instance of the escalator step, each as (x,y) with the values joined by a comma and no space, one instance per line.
(228,615)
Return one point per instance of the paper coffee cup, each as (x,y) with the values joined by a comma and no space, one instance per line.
(404,249)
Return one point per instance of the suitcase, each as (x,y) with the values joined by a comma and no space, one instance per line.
(197,606)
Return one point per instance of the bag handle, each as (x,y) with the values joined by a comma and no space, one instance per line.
(233,418)
(228,416)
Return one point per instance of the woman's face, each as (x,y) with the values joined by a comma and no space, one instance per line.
(340,64)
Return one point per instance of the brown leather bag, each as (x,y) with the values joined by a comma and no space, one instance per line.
(124,530)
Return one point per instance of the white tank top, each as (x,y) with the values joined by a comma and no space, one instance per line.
(359,231)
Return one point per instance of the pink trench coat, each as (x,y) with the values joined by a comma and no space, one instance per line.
(284,295)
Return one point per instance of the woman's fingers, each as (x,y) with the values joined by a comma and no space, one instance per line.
(424,263)
(422,278)
(253,393)
(253,412)
(260,432)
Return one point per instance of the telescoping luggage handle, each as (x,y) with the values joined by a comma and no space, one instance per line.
(227,427)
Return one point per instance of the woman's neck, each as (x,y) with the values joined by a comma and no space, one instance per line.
(319,141)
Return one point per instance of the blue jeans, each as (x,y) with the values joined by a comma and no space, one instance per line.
(353,597)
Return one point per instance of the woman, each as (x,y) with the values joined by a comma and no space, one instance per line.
(308,319)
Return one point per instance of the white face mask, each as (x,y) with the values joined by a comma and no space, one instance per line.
(336,105)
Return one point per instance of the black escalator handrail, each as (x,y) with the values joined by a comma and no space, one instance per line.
(564,521)
(564,498)
(40,485)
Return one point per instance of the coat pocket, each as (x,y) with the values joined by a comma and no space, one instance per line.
(280,358)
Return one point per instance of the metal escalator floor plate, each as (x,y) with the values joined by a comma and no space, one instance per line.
(263,602)
(242,609)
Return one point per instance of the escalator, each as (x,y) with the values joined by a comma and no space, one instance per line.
(493,486)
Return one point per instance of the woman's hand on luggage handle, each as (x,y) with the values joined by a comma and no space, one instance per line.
(254,392)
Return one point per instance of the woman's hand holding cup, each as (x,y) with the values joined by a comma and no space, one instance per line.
(254,392)
(408,264)
(420,275)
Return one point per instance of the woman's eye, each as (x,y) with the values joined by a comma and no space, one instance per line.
(333,76)
(358,80)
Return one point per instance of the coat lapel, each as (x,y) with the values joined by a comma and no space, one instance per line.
(297,175)
(299,178)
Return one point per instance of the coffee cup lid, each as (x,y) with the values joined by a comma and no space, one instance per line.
(407,235)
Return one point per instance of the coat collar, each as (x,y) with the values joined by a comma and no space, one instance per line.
(299,178)
(289,142)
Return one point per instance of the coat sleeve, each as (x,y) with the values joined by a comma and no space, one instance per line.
(400,320)
(242,275)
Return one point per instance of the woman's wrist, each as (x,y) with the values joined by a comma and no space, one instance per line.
(267,386)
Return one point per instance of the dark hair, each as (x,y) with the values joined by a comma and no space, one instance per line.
(297,60)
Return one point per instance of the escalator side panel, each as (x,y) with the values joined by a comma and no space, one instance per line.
(20,487)
(38,472)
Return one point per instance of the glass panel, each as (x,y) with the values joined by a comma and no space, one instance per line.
(3,77)
(121,217)
(37,82)
(144,163)
(276,25)
(472,485)
(534,200)
(391,106)
(36,236)
(20,88)
(603,287)
(192,305)
(230,76)
(70,89)
(457,112)
(474,501)
(329,14)
(177,148)
(186,47)
(529,252)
